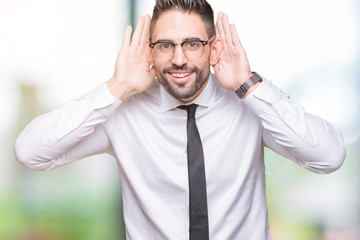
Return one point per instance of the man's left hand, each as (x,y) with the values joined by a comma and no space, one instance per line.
(232,69)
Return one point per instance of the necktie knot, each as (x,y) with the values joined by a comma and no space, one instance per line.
(191,109)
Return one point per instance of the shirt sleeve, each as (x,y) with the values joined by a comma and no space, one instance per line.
(70,132)
(308,140)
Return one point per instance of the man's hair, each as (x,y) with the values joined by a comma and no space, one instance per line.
(200,7)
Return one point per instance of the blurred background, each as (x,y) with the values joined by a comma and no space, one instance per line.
(55,50)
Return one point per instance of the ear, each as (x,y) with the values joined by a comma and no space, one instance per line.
(148,53)
(216,49)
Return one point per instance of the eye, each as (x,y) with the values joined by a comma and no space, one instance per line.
(165,46)
(193,45)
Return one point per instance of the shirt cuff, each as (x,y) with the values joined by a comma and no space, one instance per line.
(102,100)
(263,96)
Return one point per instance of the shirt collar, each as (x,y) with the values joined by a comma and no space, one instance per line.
(205,99)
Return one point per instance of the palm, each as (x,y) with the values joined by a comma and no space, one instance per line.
(132,68)
(233,68)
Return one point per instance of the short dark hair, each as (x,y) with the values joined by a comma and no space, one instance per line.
(200,7)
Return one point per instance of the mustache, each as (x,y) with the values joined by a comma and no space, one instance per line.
(184,67)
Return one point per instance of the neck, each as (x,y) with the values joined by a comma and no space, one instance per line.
(187,100)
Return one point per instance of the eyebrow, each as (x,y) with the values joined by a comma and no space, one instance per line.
(184,40)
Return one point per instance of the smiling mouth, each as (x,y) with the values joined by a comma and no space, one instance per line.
(180,75)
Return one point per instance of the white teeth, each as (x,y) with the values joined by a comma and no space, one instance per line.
(180,75)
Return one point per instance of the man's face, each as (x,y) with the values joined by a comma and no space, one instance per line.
(182,77)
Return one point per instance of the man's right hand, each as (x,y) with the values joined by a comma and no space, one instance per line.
(132,69)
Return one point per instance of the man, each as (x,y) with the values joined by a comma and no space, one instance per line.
(141,121)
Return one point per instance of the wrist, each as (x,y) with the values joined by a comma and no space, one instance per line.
(241,82)
(251,89)
(249,85)
(119,90)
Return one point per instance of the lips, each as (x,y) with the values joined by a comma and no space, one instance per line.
(179,76)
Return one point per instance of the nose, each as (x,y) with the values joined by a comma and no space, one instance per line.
(179,58)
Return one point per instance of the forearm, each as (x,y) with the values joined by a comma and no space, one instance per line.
(58,137)
(308,140)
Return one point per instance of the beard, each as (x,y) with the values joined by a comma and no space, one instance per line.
(184,90)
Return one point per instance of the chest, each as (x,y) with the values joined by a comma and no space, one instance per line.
(147,140)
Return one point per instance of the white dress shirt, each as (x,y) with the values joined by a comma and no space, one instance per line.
(146,133)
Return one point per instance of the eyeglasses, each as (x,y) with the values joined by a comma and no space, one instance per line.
(192,48)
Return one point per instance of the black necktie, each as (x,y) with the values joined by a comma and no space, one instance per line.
(199,228)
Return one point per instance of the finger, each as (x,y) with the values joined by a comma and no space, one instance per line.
(226,27)
(220,27)
(146,29)
(235,35)
(127,35)
(218,38)
(217,29)
(218,18)
(135,42)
